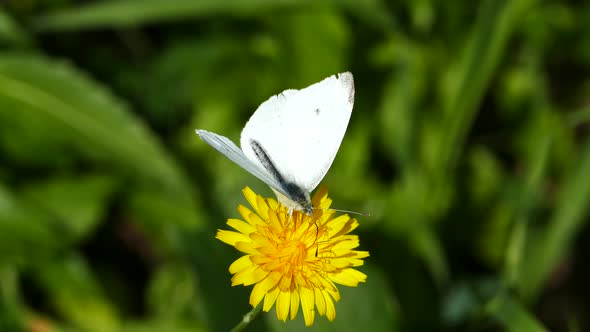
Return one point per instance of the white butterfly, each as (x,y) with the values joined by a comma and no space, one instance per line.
(292,139)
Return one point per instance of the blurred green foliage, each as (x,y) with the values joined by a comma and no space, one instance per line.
(468,145)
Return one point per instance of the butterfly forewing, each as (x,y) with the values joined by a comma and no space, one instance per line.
(301,130)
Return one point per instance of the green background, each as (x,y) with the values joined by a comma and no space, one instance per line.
(468,146)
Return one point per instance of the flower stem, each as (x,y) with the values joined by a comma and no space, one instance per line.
(249,317)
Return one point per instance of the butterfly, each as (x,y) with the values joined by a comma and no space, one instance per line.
(292,138)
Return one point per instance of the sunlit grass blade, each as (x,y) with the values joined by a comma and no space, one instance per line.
(430,249)
(537,158)
(12,310)
(513,316)
(553,241)
(528,200)
(11,33)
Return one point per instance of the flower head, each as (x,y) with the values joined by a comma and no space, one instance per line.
(293,258)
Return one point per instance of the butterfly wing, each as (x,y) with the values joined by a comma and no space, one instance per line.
(232,152)
(301,130)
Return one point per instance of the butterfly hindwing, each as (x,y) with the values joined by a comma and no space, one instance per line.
(232,152)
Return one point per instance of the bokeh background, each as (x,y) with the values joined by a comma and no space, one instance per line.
(468,146)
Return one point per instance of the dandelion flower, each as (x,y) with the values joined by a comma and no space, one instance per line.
(292,258)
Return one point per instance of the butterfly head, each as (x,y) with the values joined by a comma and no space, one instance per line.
(295,198)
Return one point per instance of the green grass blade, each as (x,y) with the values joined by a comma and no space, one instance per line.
(125,13)
(494,27)
(513,316)
(11,33)
(25,234)
(552,242)
(77,294)
(78,203)
(71,106)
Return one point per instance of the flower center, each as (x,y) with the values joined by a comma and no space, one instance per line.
(292,254)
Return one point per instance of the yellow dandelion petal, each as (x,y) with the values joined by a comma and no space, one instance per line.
(340,247)
(273,204)
(337,224)
(273,221)
(346,245)
(294,305)
(246,247)
(340,252)
(329,287)
(283,305)
(294,259)
(320,194)
(260,259)
(270,299)
(269,250)
(283,216)
(251,197)
(320,303)
(271,281)
(285,283)
(307,303)
(320,199)
(246,214)
(355,262)
(301,230)
(231,237)
(262,207)
(325,203)
(261,241)
(326,285)
(249,276)
(338,264)
(240,226)
(301,281)
(257,295)
(350,226)
(362,254)
(256,221)
(334,293)
(330,309)
(240,264)
(321,217)
(273,265)
(361,277)
(348,277)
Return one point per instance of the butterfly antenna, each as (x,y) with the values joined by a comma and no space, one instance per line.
(351,212)
(317,233)
(317,228)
